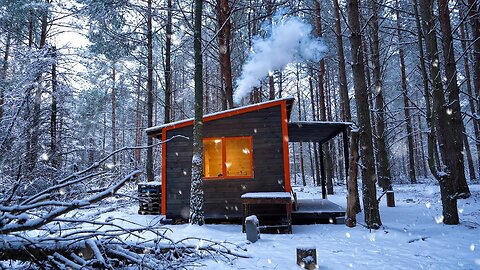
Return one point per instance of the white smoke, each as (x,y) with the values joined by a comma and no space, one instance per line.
(290,41)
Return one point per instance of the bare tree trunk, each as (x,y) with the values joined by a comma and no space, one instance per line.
(372,214)
(280,84)
(149,161)
(475,24)
(406,103)
(445,134)
(352,197)
(342,74)
(453,102)
(271,87)
(421,155)
(168,64)
(224,38)
(471,101)
(299,102)
(4,74)
(316,179)
(53,113)
(114,114)
(466,144)
(384,175)
(431,146)
(196,191)
(138,120)
(321,91)
(36,121)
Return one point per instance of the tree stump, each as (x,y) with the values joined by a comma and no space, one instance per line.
(307,257)
(390,198)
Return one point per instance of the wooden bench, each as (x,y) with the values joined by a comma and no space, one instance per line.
(270,198)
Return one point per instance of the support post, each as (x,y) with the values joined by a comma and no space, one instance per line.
(346,156)
(322,172)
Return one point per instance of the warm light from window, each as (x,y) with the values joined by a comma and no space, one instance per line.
(229,157)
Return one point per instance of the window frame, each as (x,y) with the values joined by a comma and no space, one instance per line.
(224,158)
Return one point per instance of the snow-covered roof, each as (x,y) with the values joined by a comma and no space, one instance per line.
(220,114)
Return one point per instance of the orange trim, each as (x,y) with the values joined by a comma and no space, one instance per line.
(286,154)
(164,172)
(224,158)
(231,113)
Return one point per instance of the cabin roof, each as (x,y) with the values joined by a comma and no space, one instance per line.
(157,130)
(300,131)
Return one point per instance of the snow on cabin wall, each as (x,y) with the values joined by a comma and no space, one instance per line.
(222,197)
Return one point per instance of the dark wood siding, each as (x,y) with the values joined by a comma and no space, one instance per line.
(222,197)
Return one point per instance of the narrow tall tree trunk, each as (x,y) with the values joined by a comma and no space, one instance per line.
(299,102)
(471,102)
(321,92)
(36,121)
(431,135)
(384,175)
(53,113)
(453,102)
(113,99)
(149,161)
(168,65)
(342,74)
(352,185)
(446,135)
(316,180)
(271,86)
(473,14)
(421,155)
(224,38)
(372,214)
(406,103)
(4,75)
(196,190)
(468,152)
(138,119)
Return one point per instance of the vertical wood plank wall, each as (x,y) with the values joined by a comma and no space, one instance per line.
(222,197)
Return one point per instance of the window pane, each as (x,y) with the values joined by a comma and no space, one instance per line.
(212,157)
(238,157)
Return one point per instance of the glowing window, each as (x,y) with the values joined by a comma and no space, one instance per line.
(227,157)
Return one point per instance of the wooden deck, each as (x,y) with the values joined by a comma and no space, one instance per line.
(312,211)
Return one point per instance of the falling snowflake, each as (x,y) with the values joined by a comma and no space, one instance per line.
(439,219)
(428,204)
(472,247)
(347,235)
(44,157)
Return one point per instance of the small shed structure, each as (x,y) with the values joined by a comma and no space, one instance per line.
(245,150)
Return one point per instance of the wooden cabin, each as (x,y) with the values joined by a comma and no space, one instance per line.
(245,151)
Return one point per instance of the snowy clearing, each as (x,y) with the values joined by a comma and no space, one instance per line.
(412,237)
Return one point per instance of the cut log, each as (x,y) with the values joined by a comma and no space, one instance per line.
(307,257)
(390,198)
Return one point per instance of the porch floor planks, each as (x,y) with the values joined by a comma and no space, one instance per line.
(310,211)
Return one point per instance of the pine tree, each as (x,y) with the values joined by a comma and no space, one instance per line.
(370,203)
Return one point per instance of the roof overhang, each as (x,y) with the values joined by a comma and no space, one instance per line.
(315,131)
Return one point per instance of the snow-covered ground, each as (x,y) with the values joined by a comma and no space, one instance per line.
(413,236)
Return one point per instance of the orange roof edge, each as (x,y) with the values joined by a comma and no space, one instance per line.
(288,101)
